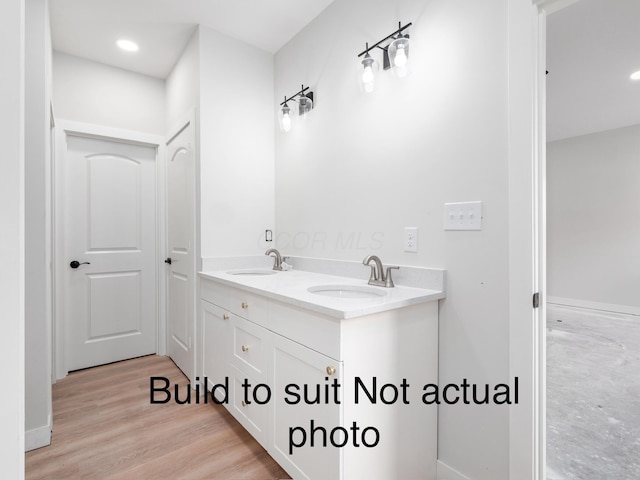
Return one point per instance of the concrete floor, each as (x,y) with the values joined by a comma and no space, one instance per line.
(593,395)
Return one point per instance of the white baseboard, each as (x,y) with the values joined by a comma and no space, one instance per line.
(445,472)
(37,437)
(604,307)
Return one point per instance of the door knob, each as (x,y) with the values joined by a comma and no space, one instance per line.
(76,264)
(168,260)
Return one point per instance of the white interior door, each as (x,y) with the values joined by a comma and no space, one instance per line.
(109,228)
(181,194)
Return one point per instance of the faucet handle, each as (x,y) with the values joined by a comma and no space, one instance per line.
(388,282)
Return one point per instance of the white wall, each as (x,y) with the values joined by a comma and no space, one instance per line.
(37,239)
(364,167)
(12,239)
(182,92)
(236,146)
(593,188)
(92,92)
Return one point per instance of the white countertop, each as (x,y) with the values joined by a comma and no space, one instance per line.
(291,287)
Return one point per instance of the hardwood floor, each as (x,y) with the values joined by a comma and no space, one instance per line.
(104,427)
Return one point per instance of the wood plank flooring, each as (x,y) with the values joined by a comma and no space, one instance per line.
(104,427)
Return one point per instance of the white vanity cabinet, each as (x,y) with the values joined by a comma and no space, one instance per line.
(288,347)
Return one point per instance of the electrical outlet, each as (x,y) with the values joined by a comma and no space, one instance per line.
(463,216)
(411,239)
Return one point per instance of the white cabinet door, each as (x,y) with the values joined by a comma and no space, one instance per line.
(249,404)
(217,335)
(293,367)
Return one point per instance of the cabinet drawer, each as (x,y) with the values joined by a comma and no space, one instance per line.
(316,331)
(235,300)
(251,415)
(250,348)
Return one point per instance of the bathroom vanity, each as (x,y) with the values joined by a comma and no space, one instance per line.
(311,358)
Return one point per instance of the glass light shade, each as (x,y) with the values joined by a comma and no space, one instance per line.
(305,104)
(367,71)
(285,118)
(399,55)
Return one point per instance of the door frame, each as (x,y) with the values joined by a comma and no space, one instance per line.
(526,272)
(527,232)
(59,263)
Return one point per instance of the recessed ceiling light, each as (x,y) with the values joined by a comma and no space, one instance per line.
(635,75)
(128,45)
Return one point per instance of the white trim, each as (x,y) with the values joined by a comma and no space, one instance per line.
(57,187)
(64,128)
(603,307)
(550,6)
(50,300)
(526,448)
(445,472)
(529,424)
(541,344)
(100,131)
(161,247)
(38,437)
(540,245)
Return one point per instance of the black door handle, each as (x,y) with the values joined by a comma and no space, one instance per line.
(76,264)
(168,260)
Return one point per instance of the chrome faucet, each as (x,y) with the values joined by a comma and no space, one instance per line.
(277,264)
(379,277)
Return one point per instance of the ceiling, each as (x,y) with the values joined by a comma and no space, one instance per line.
(593,46)
(162,28)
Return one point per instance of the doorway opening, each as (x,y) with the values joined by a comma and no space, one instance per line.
(593,207)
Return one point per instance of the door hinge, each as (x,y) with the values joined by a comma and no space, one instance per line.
(536,300)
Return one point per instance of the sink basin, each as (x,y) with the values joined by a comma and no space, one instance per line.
(347,291)
(254,271)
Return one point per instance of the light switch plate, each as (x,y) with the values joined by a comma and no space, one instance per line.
(463,216)
(411,239)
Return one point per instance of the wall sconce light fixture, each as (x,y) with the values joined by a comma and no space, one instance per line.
(395,56)
(286,115)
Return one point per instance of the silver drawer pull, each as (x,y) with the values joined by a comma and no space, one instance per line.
(245,348)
